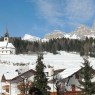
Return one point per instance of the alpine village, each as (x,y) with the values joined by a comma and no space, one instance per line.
(55,65)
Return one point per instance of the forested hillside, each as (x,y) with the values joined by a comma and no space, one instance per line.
(70,45)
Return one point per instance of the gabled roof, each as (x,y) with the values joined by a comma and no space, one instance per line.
(25,74)
(3,44)
(10,45)
(6,44)
(11,77)
(69,72)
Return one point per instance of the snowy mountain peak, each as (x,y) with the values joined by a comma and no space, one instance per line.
(82,32)
(30,38)
(54,35)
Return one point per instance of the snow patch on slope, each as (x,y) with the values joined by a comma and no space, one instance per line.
(30,38)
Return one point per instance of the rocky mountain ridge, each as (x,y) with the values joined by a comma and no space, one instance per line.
(80,33)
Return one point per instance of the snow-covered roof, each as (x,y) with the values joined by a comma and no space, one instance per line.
(10,75)
(68,72)
(14,75)
(8,71)
(6,44)
(3,44)
(10,45)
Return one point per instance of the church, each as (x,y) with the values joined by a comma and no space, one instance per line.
(5,46)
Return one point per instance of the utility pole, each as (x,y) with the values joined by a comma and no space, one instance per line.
(10,88)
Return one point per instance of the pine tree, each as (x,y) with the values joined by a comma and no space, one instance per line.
(40,80)
(86,75)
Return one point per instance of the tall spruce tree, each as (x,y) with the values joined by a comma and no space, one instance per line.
(40,80)
(87,73)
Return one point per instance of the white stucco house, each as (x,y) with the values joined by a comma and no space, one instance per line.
(13,84)
(67,81)
(5,46)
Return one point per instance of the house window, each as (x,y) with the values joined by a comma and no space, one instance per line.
(77,76)
(2,51)
(2,48)
(6,51)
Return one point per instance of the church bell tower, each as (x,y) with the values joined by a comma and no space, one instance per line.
(6,36)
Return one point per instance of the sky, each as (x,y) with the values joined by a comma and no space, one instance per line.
(39,17)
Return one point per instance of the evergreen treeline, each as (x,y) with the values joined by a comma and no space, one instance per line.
(84,47)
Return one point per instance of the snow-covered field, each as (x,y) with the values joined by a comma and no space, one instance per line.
(71,62)
(63,60)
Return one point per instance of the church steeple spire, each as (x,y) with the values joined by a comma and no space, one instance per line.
(6,35)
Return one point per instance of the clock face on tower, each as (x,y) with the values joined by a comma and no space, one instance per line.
(6,37)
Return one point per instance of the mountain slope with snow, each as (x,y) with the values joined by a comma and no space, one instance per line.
(54,35)
(30,38)
(82,32)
